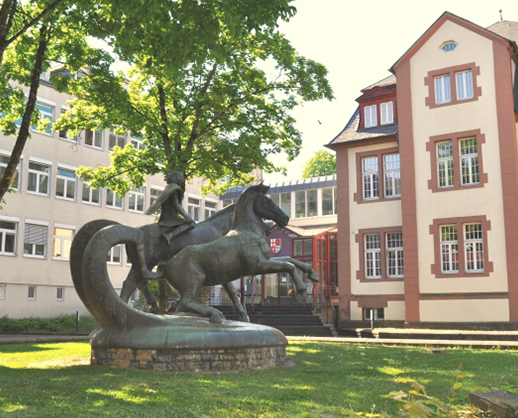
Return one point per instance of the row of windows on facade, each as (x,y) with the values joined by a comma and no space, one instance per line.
(38,182)
(467,164)
(463,86)
(92,138)
(383,253)
(32,292)
(303,203)
(36,239)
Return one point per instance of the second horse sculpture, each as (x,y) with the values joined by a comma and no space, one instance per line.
(241,252)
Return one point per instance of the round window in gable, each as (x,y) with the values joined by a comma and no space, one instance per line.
(449,46)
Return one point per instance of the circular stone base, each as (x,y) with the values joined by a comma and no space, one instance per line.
(187,343)
(195,360)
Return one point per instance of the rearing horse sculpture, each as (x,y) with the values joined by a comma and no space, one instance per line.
(243,251)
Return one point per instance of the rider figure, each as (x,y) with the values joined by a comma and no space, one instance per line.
(173,218)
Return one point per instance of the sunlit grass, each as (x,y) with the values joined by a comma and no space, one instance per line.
(328,379)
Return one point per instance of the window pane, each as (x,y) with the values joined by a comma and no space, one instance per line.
(300,204)
(312,202)
(327,201)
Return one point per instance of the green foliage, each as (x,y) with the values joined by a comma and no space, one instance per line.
(64,324)
(211,103)
(323,163)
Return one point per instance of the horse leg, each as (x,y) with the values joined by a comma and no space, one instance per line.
(187,303)
(238,307)
(129,285)
(275,266)
(306,268)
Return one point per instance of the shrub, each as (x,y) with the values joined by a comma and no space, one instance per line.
(65,324)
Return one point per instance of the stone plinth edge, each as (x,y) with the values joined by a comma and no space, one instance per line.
(187,343)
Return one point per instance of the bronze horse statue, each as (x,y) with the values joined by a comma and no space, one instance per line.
(243,251)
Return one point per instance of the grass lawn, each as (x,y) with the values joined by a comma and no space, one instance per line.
(328,380)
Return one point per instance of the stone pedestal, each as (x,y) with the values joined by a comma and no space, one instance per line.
(191,344)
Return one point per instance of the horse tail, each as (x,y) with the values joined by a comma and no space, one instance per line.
(90,274)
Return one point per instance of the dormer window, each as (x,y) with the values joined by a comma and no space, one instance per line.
(371,116)
(387,113)
(449,46)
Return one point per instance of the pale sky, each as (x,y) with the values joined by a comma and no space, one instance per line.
(358,42)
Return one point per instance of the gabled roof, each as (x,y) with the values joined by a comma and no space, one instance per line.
(351,133)
(388,81)
(447,16)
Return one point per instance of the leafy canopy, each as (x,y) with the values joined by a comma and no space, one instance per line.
(210,91)
(323,163)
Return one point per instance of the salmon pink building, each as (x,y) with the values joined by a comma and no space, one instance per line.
(427,175)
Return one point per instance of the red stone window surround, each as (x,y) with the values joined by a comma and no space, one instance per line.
(377,103)
(358,196)
(456,137)
(429,81)
(360,240)
(435,231)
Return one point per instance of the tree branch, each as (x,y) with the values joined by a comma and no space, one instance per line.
(164,133)
(23,132)
(35,20)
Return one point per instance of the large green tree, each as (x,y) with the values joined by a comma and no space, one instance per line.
(32,35)
(323,163)
(210,91)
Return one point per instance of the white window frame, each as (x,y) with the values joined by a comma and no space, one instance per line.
(392,175)
(137,142)
(469,162)
(371,116)
(333,201)
(60,293)
(394,254)
(370,173)
(208,210)
(45,114)
(43,236)
(154,192)
(442,86)
(88,192)
(63,241)
(31,292)
(39,174)
(110,258)
(3,167)
(117,139)
(373,314)
(449,249)
(445,165)
(7,231)
(115,199)
(135,197)
(64,132)
(66,180)
(464,82)
(387,113)
(372,256)
(93,136)
(474,245)
(193,207)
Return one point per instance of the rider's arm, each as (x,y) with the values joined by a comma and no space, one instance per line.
(179,208)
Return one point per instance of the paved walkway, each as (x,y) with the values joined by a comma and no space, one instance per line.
(39,338)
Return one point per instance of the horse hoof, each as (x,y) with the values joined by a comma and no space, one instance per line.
(301,299)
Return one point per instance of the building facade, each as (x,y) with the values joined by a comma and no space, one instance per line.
(49,203)
(311,237)
(427,173)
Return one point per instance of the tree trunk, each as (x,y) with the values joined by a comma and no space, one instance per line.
(23,132)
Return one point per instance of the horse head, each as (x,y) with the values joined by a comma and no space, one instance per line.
(267,209)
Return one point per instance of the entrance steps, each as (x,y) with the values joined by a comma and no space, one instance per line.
(290,320)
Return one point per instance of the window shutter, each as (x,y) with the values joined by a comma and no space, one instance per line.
(35,234)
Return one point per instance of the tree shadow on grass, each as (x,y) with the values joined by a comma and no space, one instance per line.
(24,348)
